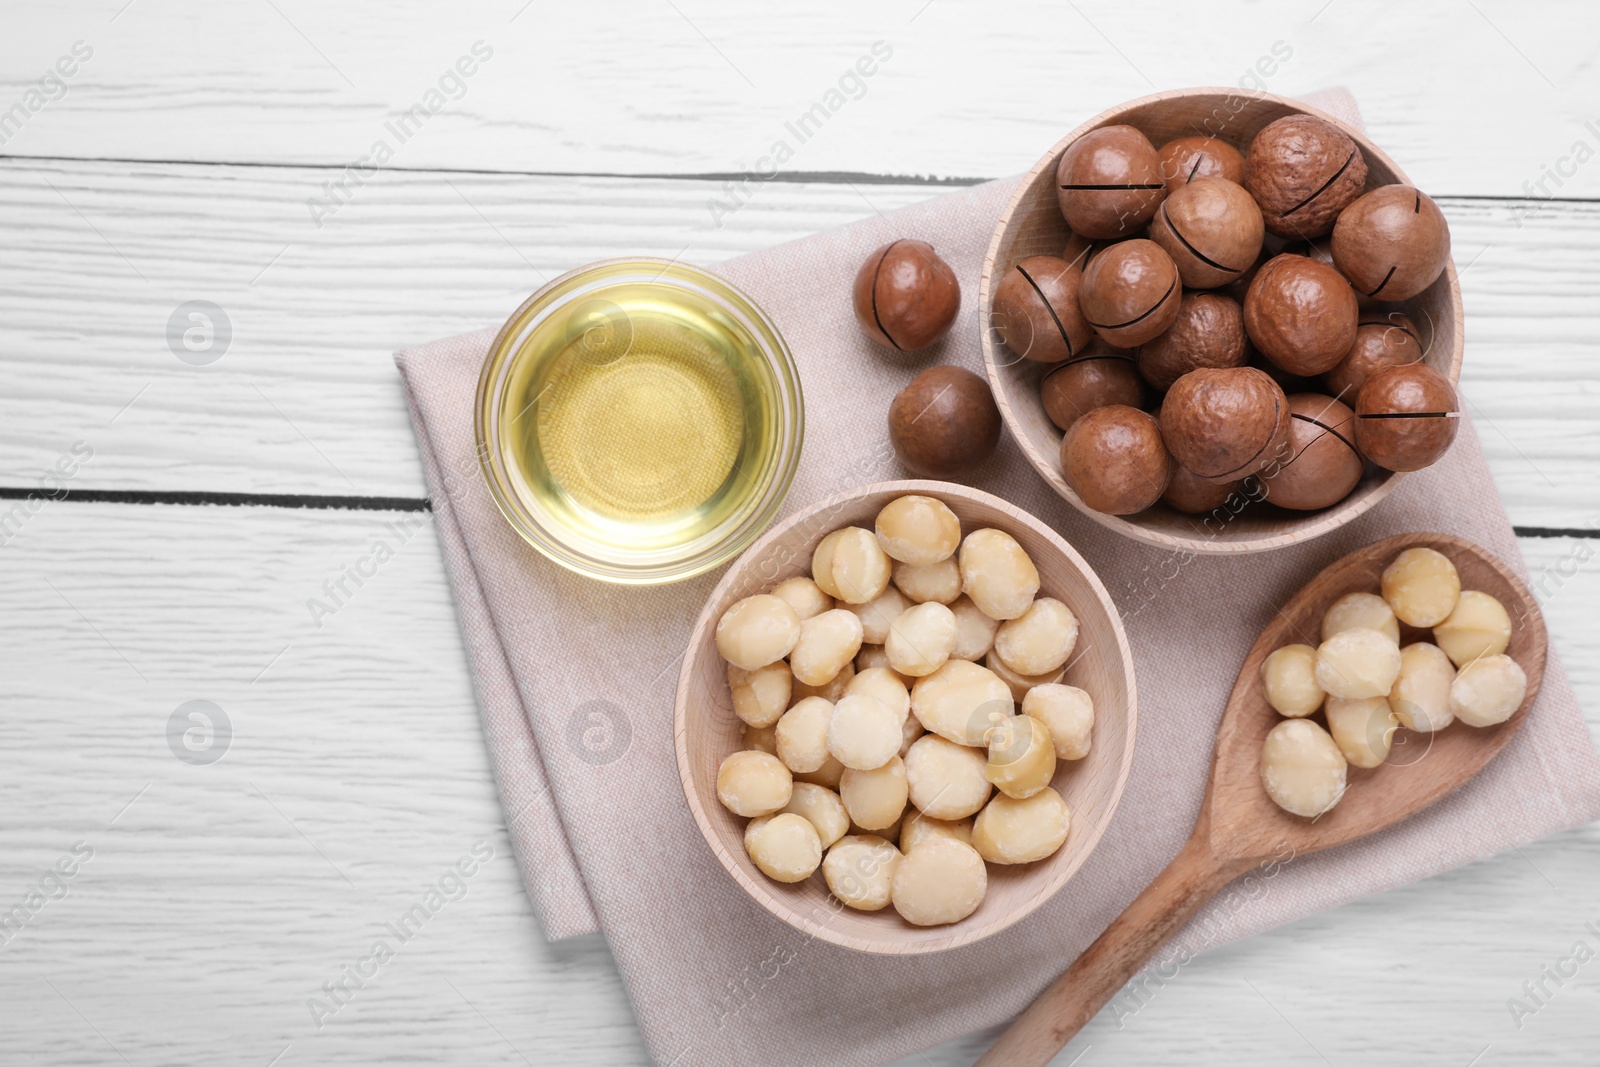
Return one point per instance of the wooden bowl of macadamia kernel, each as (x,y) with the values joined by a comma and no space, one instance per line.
(905,717)
(1222,321)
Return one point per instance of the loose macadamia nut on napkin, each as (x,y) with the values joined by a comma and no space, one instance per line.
(943,881)
(753,783)
(1130,292)
(1323,465)
(1302,769)
(946,780)
(905,296)
(1488,691)
(803,735)
(1212,230)
(1387,341)
(944,423)
(1100,378)
(1301,314)
(1067,712)
(974,630)
(921,639)
(1109,182)
(938,583)
(1289,680)
(1022,758)
(1115,460)
(864,732)
(1013,830)
(1421,586)
(1040,639)
(1036,310)
(804,596)
(756,631)
(784,847)
(1406,417)
(1183,159)
(860,870)
(822,808)
(1355,663)
(875,799)
(1303,171)
(918,827)
(1363,728)
(827,644)
(1391,243)
(1225,424)
(956,700)
(761,695)
(1420,696)
(1367,611)
(1479,626)
(918,530)
(997,574)
(1208,332)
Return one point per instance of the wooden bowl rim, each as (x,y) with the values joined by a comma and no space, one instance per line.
(757,888)
(1314,525)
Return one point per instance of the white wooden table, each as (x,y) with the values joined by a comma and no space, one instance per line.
(188,156)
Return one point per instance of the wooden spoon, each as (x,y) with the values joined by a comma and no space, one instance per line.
(1239,827)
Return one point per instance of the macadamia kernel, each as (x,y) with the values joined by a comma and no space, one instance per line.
(1420,697)
(1009,830)
(943,881)
(864,732)
(1302,768)
(858,567)
(877,614)
(785,847)
(1488,690)
(1361,611)
(1020,684)
(822,563)
(957,700)
(872,656)
(918,827)
(1040,639)
(822,808)
(997,574)
(1479,626)
(1421,585)
(1363,729)
(974,630)
(921,639)
(756,631)
(937,582)
(761,695)
(826,643)
(803,735)
(875,799)
(860,870)
(1357,663)
(759,738)
(884,684)
(753,783)
(828,775)
(804,596)
(831,690)
(1022,758)
(918,530)
(946,780)
(1289,680)
(1068,713)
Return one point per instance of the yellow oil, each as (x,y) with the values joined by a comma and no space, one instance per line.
(641,418)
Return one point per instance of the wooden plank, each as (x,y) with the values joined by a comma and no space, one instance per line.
(306,398)
(356,774)
(709,85)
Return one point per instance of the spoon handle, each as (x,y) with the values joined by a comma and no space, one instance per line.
(1192,878)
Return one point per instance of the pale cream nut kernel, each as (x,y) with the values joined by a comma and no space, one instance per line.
(1040,639)
(860,569)
(1420,698)
(1361,611)
(1289,681)
(877,613)
(910,730)
(946,780)
(822,808)
(864,733)
(888,833)
(1009,830)
(759,738)
(761,695)
(918,827)
(753,783)
(918,530)
(827,643)
(1068,713)
(784,847)
(974,630)
(831,690)
(875,799)
(1022,758)
(859,870)
(885,684)
(1302,769)
(804,596)
(756,631)
(1421,585)
(822,563)
(1020,684)
(957,700)
(1357,663)
(921,639)
(943,881)
(829,775)
(939,583)
(803,735)
(1479,626)
(1363,729)
(1488,691)
(997,574)
(872,656)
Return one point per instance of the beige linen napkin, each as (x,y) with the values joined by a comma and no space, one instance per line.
(576,683)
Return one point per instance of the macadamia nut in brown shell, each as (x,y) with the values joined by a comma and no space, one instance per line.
(1406,417)
(1301,314)
(1036,310)
(905,296)
(1323,464)
(1183,159)
(1382,341)
(1100,378)
(1108,182)
(1207,332)
(1114,459)
(1303,171)
(1130,293)
(1226,424)
(1212,230)
(1391,243)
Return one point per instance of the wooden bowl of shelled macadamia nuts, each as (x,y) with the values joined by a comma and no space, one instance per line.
(855,734)
(1214,304)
